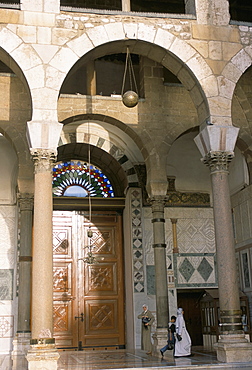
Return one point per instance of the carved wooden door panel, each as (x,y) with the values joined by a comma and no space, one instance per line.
(88,298)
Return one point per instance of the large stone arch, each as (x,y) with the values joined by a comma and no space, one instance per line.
(13,126)
(157,44)
(51,69)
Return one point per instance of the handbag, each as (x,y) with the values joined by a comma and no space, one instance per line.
(179,338)
(145,320)
(170,345)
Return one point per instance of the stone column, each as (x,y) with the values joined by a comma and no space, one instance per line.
(91,78)
(41,6)
(21,343)
(126,5)
(174,235)
(162,308)
(229,300)
(42,342)
(232,345)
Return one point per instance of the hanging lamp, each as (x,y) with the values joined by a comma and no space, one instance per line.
(90,258)
(130,97)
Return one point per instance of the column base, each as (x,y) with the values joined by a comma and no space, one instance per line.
(21,344)
(42,355)
(233,348)
(160,339)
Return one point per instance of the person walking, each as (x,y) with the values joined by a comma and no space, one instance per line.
(171,336)
(147,320)
(182,340)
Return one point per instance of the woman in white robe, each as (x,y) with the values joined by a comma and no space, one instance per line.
(183,341)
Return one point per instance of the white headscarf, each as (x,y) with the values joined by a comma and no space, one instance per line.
(145,305)
(180,311)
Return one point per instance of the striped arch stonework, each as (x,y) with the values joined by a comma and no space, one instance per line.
(109,147)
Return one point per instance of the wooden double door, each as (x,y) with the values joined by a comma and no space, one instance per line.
(88,298)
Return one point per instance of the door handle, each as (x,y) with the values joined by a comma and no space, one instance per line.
(80,317)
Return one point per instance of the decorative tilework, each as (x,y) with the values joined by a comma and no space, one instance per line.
(195,270)
(137,242)
(150,272)
(6,326)
(6,284)
(195,235)
(205,269)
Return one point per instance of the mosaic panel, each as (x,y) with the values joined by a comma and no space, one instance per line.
(137,241)
(150,275)
(196,235)
(195,270)
(6,284)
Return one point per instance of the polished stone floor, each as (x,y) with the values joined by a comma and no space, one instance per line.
(127,359)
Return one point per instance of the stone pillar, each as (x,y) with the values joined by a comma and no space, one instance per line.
(21,343)
(162,308)
(91,78)
(42,342)
(126,5)
(232,345)
(214,12)
(44,6)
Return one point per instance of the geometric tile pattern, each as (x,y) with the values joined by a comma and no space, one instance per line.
(195,235)
(195,270)
(6,326)
(137,241)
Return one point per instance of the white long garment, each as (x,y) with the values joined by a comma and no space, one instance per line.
(182,348)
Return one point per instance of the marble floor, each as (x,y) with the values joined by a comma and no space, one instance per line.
(127,359)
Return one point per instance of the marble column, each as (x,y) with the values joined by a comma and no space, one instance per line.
(216,144)
(21,343)
(232,345)
(162,308)
(42,342)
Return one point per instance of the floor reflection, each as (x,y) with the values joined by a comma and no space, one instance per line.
(126,359)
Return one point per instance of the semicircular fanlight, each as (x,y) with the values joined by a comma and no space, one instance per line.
(79,179)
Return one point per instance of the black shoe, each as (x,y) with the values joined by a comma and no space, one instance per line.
(162,353)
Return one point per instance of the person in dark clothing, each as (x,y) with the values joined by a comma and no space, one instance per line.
(171,336)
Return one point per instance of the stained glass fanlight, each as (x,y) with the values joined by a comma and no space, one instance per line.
(80,179)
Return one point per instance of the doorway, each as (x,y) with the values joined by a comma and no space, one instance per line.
(190,302)
(88,297)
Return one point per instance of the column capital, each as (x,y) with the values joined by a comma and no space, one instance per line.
(43,159)
(218,161)
(157,202)
(26,202)
(174,220)
(215,138)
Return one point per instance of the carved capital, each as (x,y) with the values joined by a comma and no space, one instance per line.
(43,159)
(157,203)
(218,161)
(25,202)
(174,220)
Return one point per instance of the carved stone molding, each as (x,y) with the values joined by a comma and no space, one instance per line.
(218,161)
(179,199)
(43,159)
